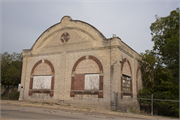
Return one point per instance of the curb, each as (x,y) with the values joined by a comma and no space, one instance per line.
(107,112)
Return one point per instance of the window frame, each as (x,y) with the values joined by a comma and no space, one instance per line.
(126,80)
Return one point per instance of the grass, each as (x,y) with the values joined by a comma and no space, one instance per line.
(12,96)
(57,104)
(131,110)
(88,109)
(45,103)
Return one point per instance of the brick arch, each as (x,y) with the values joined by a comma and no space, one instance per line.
(90,57)
(123,62)
(78,80)
(41,61)
(48,63)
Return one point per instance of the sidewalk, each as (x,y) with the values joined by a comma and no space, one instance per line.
(77,108)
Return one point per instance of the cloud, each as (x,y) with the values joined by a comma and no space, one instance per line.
(24,22)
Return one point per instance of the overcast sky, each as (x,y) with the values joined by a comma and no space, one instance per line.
(22,22)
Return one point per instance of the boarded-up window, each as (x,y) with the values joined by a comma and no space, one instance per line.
(91,82)
(126,83)
(42,82)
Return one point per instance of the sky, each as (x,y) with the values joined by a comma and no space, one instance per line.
(23,21)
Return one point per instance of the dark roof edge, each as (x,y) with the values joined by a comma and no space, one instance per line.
(91,26)
(124,43)
(128,46)
(43,33)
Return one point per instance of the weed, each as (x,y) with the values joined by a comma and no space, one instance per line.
(131,110)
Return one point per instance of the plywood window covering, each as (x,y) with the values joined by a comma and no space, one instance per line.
(91,82)
(126,83)
(42,82)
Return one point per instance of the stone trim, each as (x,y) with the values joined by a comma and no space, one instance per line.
(87,91)
(37,91)
(100,94)
(127,94)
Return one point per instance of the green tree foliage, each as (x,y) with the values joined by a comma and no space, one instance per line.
(11,67)
(160,66)
(165,34)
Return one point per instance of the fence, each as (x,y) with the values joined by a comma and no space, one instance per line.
(116,99)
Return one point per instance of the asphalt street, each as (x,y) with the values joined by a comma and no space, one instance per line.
(12,112)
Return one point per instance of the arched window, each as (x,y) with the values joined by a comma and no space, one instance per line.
(87,77)
(126,78)
(138,79)
(42,78)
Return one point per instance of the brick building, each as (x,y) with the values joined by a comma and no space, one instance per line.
(72,62)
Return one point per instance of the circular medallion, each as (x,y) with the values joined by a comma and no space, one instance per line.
(65,37)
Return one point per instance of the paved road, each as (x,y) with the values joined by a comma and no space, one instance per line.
(11,112)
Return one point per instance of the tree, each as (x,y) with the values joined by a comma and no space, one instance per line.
(11,67)
(165,34)
(160,66)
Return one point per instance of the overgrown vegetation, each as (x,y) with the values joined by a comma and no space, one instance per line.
(11,68)
(160,66)
(12,96)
